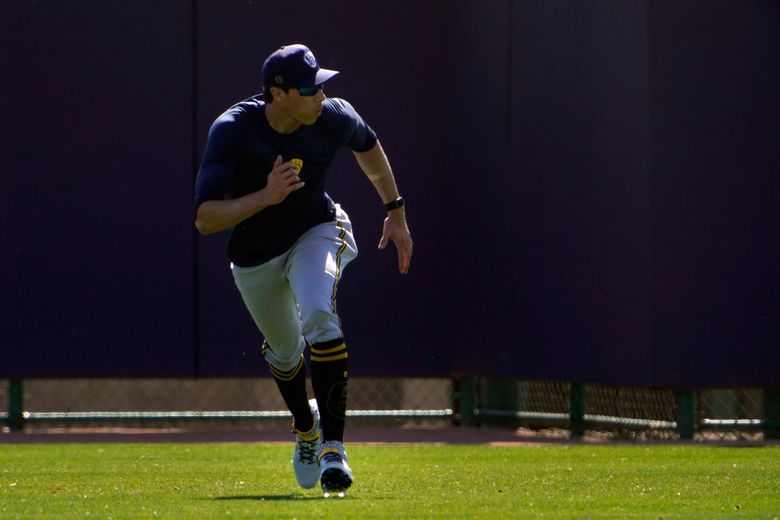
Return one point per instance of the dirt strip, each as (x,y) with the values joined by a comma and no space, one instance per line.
(361,434)
(354,434)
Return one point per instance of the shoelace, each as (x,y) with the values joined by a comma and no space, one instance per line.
(331,457)
(307,451)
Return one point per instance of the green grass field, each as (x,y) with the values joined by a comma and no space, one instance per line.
(195,481)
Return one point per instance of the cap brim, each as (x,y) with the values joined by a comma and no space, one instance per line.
(324,75)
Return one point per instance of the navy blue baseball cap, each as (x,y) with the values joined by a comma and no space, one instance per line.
(294,66)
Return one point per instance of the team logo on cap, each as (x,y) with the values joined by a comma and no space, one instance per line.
(279,80)
(310,60)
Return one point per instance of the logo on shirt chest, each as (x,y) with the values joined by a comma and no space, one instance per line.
(298,163)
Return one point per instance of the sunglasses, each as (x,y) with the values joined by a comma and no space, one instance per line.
(309,91)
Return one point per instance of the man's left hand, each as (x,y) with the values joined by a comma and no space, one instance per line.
(395,229)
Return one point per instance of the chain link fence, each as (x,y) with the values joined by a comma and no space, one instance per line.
(540,408)
(214,403)
(545,408)
(735,413)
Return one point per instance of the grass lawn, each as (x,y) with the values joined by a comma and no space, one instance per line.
(195,481)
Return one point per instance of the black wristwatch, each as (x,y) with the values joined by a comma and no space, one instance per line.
(397,203)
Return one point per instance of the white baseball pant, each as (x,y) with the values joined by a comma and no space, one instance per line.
(292,297)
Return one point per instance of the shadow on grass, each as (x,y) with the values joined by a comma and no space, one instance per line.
(286,498)
(267,498)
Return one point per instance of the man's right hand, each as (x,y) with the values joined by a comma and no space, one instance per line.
(282,181)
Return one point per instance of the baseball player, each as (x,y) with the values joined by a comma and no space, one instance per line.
(263,174)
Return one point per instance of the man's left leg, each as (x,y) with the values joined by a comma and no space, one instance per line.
(315,268)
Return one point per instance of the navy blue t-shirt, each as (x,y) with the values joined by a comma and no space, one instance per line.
(240,153)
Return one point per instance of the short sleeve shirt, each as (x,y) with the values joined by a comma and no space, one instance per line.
(240,153)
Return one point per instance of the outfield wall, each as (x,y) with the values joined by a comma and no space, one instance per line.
(593,188)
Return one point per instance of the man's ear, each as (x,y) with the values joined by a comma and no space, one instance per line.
(278,93)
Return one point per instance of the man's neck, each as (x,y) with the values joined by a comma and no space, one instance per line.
(279,121)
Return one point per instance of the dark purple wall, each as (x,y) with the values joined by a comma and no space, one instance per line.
(96,162)
(579,175)
(592,187)
(715,161)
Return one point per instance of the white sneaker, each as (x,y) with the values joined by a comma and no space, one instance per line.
(335,473)
(307,444)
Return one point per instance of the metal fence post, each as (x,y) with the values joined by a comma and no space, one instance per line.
(466,404)
(499,401)
(577,410)
(772,413)
(686,414)
(15,405)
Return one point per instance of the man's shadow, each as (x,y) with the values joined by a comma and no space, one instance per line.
(269,498)
(286,497)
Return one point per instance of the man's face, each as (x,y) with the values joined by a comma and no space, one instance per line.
(305,109)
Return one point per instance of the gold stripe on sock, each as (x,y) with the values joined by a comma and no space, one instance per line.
(330,358)
(328,350)
(287,376)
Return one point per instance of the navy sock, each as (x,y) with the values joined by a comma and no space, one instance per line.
(292,386)
(329,380)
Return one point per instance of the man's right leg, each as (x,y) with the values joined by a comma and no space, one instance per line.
(271,303)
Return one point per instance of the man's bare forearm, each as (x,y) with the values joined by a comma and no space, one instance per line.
(375,165)
(218,215)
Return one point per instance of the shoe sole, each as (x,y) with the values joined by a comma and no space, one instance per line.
(307,485)
(334,480)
